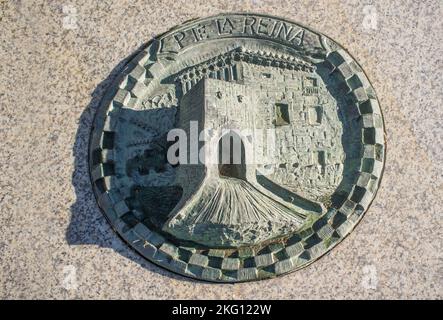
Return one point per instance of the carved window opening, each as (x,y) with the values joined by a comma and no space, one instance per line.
(281,114)
(310,82)
(315,115)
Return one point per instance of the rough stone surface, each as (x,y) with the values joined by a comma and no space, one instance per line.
(55,63)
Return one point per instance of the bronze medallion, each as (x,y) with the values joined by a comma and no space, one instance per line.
(237,147)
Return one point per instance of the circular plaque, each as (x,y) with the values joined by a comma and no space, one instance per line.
(237,147)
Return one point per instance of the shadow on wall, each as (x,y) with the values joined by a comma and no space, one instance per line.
(88,224)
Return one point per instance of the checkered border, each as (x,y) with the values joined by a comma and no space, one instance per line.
(250,263)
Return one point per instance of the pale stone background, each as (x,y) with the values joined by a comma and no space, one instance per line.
(55,58)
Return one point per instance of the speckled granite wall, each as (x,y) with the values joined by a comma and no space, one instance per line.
(57,57)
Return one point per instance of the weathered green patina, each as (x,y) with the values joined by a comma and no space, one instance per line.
(310,157)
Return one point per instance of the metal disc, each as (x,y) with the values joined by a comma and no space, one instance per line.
(237,147)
